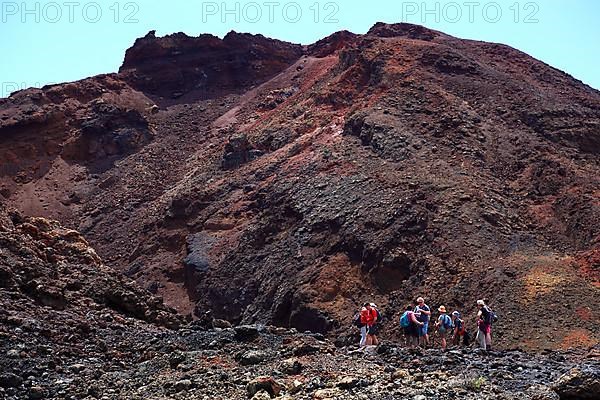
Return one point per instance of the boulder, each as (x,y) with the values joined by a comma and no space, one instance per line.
(183,385)
(291,366)
(246,333)
(265,383)
(540,392)
(348,382)
(578,383)
(8,380)
(253,357)
(221,323)
(261,395)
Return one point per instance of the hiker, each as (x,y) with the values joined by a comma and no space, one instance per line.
(458,329)
(423,313)
(373,330)
(443,325)
(357,322)
(366,320)
(411,325)
(485,318)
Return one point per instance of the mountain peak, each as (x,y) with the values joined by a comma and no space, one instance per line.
(412,31)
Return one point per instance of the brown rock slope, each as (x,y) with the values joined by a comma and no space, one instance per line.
(378,166)
(51,274)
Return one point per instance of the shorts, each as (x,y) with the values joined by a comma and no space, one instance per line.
(423,329)
(442,330)
(411,330)
(373,329)
(485,328)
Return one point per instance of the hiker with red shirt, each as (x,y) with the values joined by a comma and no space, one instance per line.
(373,329)
(366,320)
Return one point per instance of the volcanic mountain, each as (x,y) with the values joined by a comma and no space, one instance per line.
(268,182)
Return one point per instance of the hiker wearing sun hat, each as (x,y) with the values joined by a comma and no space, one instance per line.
(485,317)
(443,325)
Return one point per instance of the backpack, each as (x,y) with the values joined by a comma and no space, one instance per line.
(356,320)
(489,316)
(447,322)
(378,316)
(460,326)
(405,320)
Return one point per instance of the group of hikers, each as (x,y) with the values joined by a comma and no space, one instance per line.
(415,324)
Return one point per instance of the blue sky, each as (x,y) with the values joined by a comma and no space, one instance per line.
(57,41)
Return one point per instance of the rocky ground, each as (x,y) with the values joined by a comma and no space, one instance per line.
(72,328)
(279,184)
(124,359)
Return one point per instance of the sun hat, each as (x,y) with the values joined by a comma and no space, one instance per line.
(420,299)
(373,305)
(442,309)
(480,303)
(456,313)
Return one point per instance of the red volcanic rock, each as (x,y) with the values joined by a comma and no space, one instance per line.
(177,64)
(94,121)
(333,43)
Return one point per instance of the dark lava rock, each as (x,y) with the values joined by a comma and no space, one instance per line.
(238,151)
(579,384)
(183,385)
(177,64)
(37,392)
(306,348)
(10,380)
(221,323)
(246,333)
(198,246)
(253,357)
(291,366)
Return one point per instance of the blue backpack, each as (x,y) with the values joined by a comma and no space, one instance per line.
(405,320)
(446,322)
